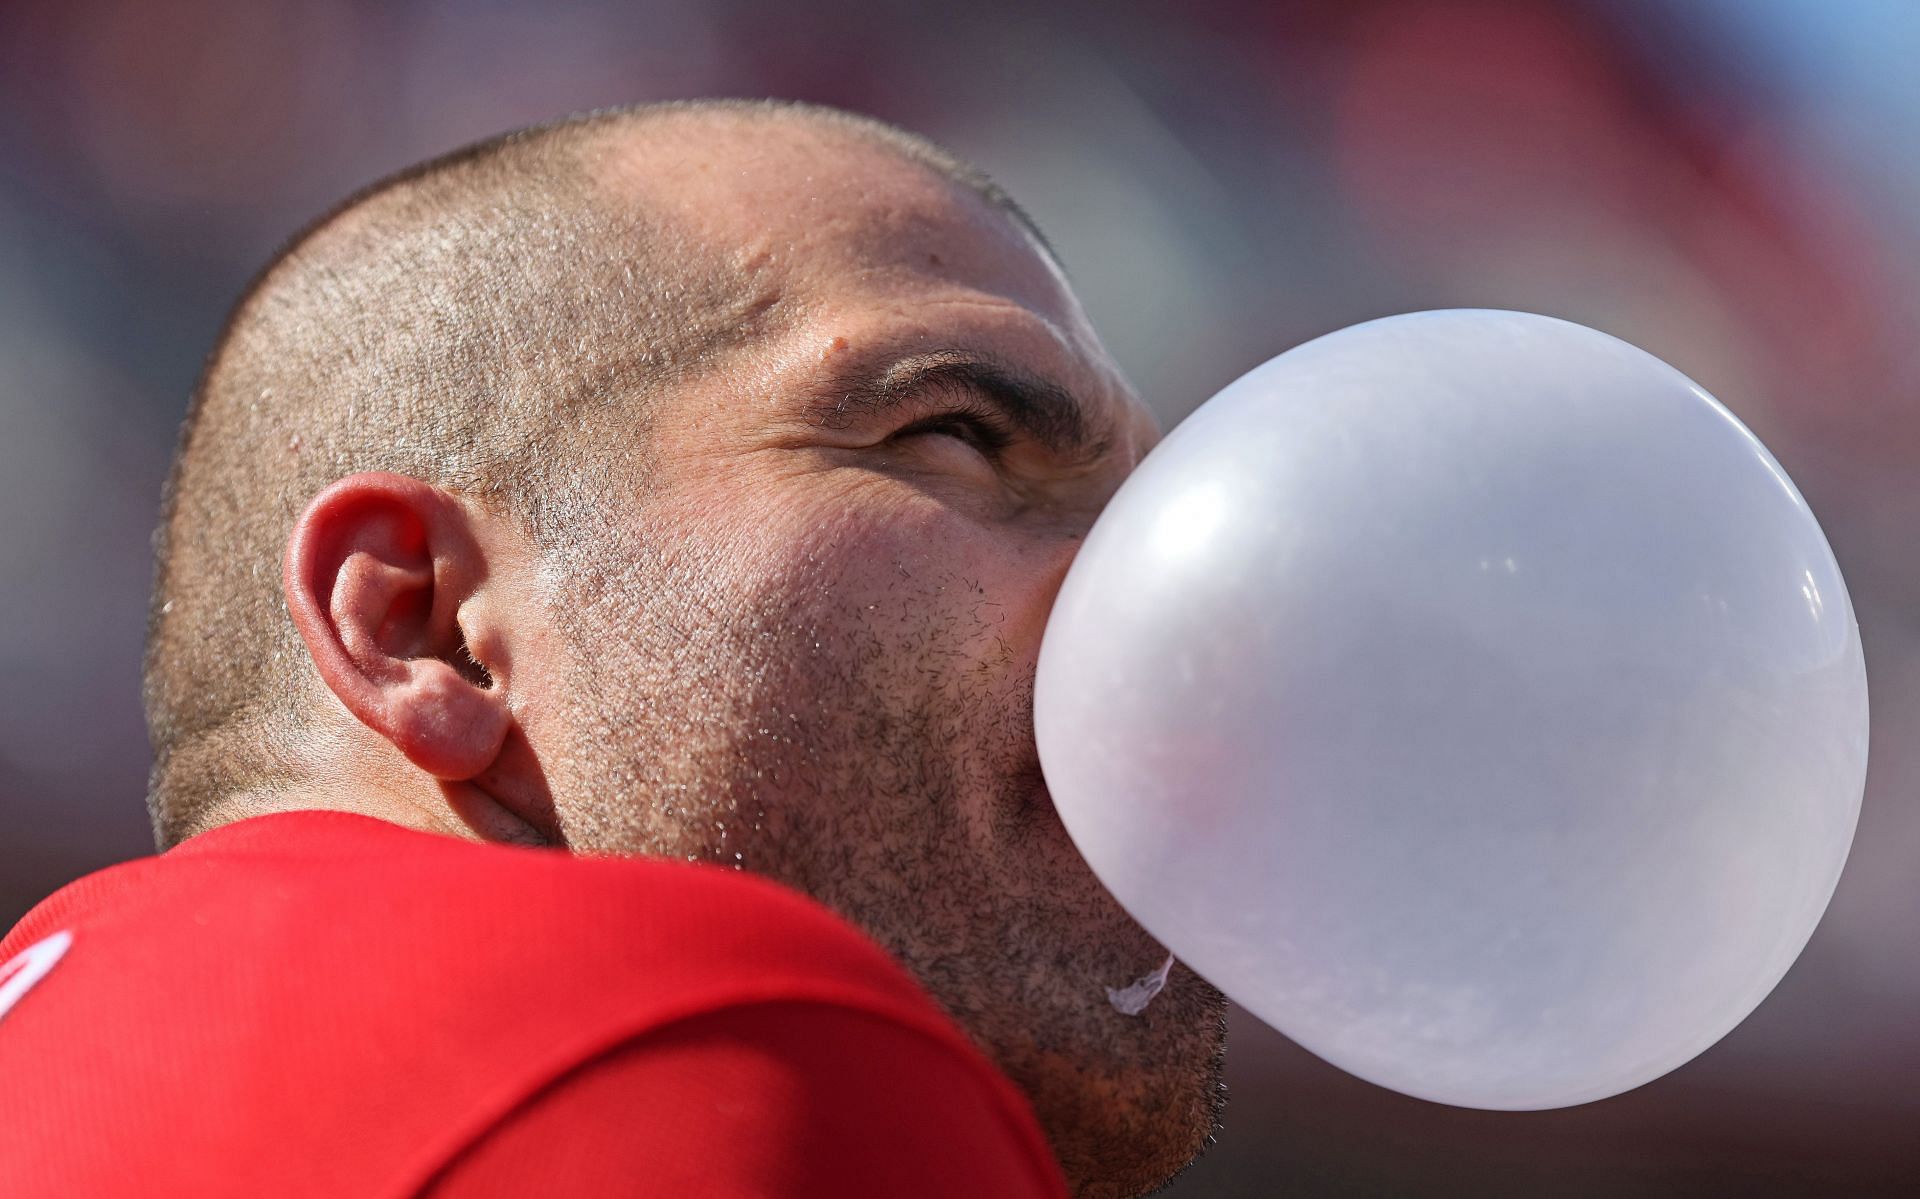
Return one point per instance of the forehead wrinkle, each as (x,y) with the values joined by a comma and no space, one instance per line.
(815,202)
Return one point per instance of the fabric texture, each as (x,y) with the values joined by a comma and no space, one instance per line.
(324,1004)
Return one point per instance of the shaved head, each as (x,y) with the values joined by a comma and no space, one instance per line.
(691,482)
(509,310)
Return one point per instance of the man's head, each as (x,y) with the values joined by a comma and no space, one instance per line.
(689,481)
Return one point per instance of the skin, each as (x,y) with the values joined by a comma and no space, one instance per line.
(808,649)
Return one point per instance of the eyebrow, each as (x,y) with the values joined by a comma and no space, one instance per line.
(1040,408)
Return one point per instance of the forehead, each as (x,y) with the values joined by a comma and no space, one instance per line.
(823,213)
(859,244)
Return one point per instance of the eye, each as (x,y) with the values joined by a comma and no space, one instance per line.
(976,431)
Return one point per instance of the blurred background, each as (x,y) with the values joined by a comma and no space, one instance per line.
(1731,184)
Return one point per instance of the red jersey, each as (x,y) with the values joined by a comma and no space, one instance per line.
(324,1004)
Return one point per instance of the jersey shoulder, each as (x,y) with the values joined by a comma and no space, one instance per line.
(409,989)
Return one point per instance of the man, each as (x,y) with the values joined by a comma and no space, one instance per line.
(692,483)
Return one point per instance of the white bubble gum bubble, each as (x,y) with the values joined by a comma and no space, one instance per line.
(1471,697)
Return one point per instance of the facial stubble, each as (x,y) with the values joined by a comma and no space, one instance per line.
(871,746)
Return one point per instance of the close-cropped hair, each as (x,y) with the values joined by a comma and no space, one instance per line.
(491,322)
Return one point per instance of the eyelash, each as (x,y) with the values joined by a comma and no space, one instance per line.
(984,429)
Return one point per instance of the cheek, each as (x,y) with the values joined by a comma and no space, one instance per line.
(927,566)
(865,566)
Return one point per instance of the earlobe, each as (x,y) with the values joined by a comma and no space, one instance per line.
(377,571)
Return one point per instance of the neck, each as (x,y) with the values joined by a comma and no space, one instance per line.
(460,810)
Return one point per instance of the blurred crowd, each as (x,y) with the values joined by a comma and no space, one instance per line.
(1731,184)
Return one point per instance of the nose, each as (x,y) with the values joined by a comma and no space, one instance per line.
(1060,556)
(1062,541)
(1030,600)
(1072,522)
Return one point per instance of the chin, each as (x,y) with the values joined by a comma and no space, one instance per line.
(1120,1128)
(1128,1169)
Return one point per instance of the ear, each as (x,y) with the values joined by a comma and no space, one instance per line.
(377,572)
